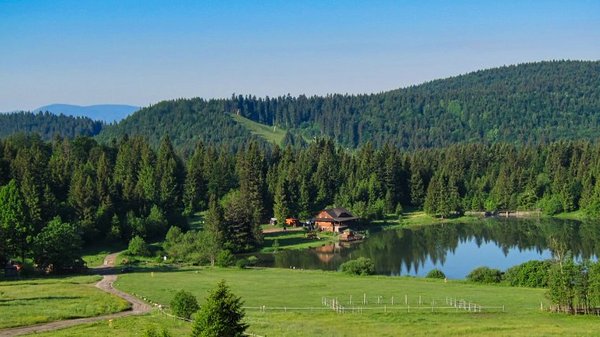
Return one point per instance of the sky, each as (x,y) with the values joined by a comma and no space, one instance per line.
(140,52)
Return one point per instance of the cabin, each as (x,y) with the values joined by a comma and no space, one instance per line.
(334,220)
(292,222)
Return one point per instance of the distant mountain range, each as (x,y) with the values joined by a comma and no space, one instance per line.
(108,113)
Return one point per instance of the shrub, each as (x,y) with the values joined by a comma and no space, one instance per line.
(485,275)
(529,274)
(225,258)
(360,266)
(436,273)
(152,332)
(137,246)
(241,263)
(184,304)
(252,261)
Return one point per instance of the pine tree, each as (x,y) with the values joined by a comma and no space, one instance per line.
(194,197)
(17,231)
(221,315)
(170,174)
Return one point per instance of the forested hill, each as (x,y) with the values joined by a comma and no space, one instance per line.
(47,125)
(527,103)
(186,121)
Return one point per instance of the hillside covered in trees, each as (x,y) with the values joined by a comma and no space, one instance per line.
(524,104)
(128,189)
(48,125)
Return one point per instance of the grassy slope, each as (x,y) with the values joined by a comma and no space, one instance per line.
(33,301)
(272,135)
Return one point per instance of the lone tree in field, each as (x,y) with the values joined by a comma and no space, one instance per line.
(184,304)
(221,315)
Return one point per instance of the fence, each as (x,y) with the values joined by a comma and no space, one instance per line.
(391,304)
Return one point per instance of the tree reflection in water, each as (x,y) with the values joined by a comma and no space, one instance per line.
(495,242)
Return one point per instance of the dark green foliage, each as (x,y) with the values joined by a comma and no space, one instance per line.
(221,315)
(57,248)
(14,226)
(225,259)
(152,332)
(485,275)
(436,273)
(187,121)
(525,104)
(532,274)
(137,246)
(361,266)
(184,304)
(48,125)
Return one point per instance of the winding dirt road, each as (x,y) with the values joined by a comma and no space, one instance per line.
(109,276)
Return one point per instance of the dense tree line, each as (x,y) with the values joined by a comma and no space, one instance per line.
(127,188)
(48,125)
(527,103)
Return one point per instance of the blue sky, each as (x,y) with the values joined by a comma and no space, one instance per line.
(140,52)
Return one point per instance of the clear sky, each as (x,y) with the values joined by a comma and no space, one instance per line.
(140,52)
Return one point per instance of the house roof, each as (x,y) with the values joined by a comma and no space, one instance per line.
(338,214)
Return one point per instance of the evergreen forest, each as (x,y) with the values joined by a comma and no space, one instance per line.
(117,191)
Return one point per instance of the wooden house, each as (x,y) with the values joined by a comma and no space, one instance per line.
(334,220)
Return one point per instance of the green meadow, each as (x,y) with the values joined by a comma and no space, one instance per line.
(271,134)
(35,301)
(301,293)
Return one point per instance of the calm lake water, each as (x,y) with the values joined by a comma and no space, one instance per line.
(456,249)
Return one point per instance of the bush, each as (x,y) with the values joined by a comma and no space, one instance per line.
(436,273)
(184,304)
(225,258)
(252,261)
(360,266)
(137,246)
(532,274)
(241,263)
(551,205)
(152,332)
(485,275)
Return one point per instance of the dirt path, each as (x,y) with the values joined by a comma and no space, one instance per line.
(106,284)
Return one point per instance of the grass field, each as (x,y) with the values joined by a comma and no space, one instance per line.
(415,218)
(303,288)
(94,255)
(33,301)
(292,239)
(269,133)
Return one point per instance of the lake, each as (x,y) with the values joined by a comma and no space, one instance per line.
(456,249)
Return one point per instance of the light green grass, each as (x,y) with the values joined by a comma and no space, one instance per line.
(269,133)
(295,240)
(34,301)
(575,215)
(416,218)
(304,288)
(126,326)
(94,255)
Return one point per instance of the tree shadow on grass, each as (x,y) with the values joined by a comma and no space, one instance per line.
(41,298)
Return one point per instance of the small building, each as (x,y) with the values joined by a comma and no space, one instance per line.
(273,221)
(334,220)
(292,222)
